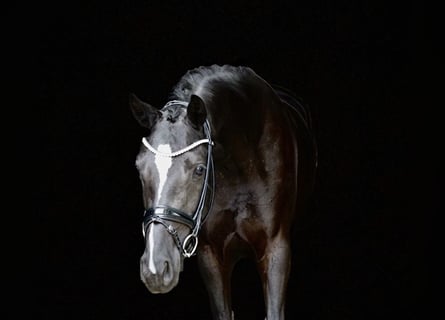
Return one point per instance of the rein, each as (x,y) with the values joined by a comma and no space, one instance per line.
(162,214)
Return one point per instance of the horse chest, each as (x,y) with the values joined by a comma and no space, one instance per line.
(238,225)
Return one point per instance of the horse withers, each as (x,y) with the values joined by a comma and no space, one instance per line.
(226,167)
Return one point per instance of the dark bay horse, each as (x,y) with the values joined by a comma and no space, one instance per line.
(226,167)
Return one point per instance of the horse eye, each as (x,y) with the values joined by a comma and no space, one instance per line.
(200,170)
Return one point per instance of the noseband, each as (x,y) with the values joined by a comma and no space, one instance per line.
(162,214)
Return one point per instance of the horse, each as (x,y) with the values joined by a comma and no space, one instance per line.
(227,166)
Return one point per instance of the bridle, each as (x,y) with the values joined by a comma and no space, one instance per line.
(162,214)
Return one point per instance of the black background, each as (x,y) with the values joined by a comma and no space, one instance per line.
(360,253)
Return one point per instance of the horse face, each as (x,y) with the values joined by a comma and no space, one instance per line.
(173,181)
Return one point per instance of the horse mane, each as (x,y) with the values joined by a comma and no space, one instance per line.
(198,80)
(205,80)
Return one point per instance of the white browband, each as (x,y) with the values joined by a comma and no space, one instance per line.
(176,153)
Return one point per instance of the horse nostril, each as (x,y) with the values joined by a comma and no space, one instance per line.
(166,274)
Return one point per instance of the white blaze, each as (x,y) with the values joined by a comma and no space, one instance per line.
(151,244)
(162,164)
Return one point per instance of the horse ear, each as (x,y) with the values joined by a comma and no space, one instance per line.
(196,111)
(144,113)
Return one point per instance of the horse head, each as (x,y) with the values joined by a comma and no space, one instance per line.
(175,167)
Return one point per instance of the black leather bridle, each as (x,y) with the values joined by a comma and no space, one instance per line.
(164,214)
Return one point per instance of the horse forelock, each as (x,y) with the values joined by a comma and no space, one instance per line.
(173,129)
(173,113)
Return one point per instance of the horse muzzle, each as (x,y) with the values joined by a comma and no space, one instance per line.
(159,276)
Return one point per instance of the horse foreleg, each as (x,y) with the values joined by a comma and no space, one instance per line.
(274,268)
(216,278)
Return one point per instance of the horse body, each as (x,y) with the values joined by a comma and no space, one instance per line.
(264,165)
